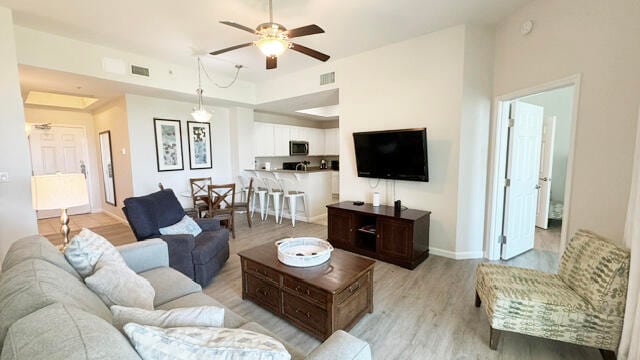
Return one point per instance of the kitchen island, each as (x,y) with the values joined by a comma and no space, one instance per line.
(316,183)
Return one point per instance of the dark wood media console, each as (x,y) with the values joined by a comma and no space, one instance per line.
(400,238)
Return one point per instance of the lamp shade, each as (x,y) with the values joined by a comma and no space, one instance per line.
(59,191)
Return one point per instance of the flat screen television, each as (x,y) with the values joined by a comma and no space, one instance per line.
(392,154)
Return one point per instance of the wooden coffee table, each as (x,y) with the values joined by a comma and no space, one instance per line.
(320,299)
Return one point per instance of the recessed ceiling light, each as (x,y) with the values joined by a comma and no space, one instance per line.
(59,100)
(324,111)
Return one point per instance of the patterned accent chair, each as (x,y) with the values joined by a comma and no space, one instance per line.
(582,304)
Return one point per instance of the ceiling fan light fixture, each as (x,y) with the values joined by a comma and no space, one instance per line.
(272,46)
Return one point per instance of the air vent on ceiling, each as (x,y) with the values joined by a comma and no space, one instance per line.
(139,70)
(328,78)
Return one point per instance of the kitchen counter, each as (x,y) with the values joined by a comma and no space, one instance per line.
(316,183)
(313,169)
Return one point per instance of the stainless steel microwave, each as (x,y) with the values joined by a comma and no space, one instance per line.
(298,148)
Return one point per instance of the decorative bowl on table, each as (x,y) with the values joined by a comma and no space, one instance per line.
(303,251)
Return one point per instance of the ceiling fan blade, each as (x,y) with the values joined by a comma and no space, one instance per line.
(304,31)
(238,26)
(218,52)
(272,62)
(310,52)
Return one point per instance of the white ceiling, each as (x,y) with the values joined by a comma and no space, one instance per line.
(172,30)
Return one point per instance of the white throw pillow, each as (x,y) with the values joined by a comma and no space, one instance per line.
(190,343)
(116,284)
(212,316)
(86,248)
(185,226)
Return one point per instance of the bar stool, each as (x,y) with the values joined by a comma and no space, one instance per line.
(274,195)
(243,181)
(290,184)
(259,189)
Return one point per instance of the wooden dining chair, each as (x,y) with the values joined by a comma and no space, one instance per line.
(199,194)
(248,205)
(221,204)
(161,186)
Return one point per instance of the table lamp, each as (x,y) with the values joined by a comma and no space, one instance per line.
(59,191)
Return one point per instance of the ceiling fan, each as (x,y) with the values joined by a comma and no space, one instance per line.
(274,40)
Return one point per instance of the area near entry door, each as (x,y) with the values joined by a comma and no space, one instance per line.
(544,177)
(521,185)
(58,149)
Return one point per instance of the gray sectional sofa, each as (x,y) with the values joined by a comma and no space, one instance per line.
(47,312)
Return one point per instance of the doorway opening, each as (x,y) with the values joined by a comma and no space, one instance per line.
(59,149)
(531,169)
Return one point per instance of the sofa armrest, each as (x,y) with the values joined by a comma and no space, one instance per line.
(145,255)
(341,346)
(208,224)
(180,248)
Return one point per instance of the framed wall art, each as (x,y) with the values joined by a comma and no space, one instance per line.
(199,134)
(168,144)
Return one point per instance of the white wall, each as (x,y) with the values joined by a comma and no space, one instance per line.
(55,52)
(36,115)
(141,111)
(241,126)
(558,103)
(474,139)
(18,219)
(598,39)
(113,117)
(414,83)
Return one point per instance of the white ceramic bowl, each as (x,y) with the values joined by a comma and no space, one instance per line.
(303,251)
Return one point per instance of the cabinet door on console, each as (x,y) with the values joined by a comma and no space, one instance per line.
(340,228)
(394,239)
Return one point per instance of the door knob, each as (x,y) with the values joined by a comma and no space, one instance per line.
(544,179)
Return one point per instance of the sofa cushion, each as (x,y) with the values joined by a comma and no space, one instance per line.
(187,343)
(34,284)
(169,284)
(116,284)
(208,245)
(212,316)
(255,327)
(61,332)
(36,247)
(185,226)
(231,319)
(87,248)
(597,270)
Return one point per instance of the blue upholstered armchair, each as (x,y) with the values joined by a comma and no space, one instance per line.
(198,257)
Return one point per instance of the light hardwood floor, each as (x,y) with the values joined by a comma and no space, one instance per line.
(427,313)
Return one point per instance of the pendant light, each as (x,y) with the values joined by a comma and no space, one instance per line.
(199,113)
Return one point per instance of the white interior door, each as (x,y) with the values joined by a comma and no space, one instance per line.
(58,149)
(544,177)
(523,165)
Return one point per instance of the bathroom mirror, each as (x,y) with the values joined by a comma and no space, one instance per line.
(107,168)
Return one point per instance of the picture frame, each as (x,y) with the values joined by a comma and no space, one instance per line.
(168,135)
(199,135)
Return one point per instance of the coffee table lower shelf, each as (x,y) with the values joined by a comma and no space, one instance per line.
(314,309)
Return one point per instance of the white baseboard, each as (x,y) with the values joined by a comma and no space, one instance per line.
(122,220)
(463,255)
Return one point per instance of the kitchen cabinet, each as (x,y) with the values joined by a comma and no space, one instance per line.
(331,142)
(263,139)
(316,142)
(335,182)
(273,139)
(281,137)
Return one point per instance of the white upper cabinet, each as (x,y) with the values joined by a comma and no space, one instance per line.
(273,139)
(281,137)
(331,142)
(263,139)
(316,142)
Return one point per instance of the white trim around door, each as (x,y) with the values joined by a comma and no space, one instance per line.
(498,163)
